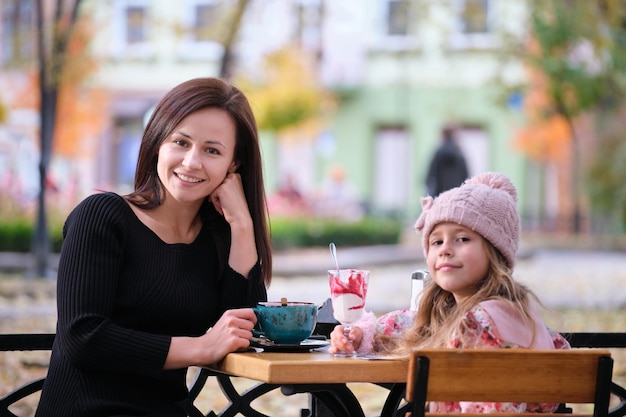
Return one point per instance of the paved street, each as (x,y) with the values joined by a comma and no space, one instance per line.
(562,278)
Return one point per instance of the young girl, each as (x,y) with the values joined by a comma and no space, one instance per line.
(470,237)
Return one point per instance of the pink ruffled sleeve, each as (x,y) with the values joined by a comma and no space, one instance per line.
(391,324)
(481,332)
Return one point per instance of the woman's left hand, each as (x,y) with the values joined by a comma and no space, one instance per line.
(229,199)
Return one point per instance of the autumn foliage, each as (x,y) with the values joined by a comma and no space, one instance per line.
(290,96)
(545,140)
(78,115)
(546,136)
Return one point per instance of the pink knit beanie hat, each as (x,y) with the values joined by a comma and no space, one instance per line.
(486,203)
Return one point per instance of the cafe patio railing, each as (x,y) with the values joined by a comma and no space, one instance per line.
(323,398)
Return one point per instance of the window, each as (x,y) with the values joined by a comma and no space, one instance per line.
(473,24)
(392,169)
(17,29)
(128,132)
(474,16)
(131,29)
(398,18)
(474,143)
(395,24)
(309,24)
(135,24)
(204,22)
(200,22)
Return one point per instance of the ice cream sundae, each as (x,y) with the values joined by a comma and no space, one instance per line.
(348,290)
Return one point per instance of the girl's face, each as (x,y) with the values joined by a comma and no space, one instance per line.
(457,259)
(197,156)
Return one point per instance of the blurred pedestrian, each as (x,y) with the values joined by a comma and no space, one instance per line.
(448,168)
(338,198)
(288,200)
(161,279)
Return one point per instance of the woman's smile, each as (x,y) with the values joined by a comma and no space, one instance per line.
(187,178)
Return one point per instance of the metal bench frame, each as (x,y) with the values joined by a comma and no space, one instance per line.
(325,400)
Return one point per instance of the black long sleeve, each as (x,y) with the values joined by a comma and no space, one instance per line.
(122,293)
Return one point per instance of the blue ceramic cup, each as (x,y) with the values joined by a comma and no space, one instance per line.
(286,322)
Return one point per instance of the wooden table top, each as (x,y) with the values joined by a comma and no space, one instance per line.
(311,368)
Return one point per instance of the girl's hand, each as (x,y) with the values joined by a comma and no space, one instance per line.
(339,342)
(230,201)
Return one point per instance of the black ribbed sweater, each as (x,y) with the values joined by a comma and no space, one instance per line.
(122,293)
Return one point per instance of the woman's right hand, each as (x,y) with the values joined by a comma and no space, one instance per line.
(232,332)
(339,342)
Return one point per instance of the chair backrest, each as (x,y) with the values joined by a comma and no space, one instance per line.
(575,376)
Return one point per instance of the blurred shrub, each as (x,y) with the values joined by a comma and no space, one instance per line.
(16,235)
(312,232)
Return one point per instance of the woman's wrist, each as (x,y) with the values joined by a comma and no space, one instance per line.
(243,253)
(186,351)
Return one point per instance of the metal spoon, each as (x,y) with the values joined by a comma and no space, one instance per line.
(333,253)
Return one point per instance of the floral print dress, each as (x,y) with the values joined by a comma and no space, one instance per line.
(481,332)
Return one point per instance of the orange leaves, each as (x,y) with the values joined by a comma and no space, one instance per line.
(79,63)
(545,140)
(80,116)
(547,135)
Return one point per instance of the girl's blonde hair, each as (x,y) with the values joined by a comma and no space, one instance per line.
(438,318)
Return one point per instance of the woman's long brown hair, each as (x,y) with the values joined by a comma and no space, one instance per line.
(178,103)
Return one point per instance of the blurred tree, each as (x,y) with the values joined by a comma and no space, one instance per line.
(607,176)
(55,22)
(219,22)
(77,115)
(3,112)
(229,37)
(290,94)
(577,54)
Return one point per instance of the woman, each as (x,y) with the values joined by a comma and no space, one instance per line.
(161,279)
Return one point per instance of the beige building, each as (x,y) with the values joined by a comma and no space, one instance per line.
(401,70)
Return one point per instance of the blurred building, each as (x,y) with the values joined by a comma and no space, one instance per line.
(401,70)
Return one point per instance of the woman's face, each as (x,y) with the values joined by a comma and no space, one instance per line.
(457,259)
(197,156)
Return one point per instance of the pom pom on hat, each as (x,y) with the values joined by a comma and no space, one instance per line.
(486,203)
